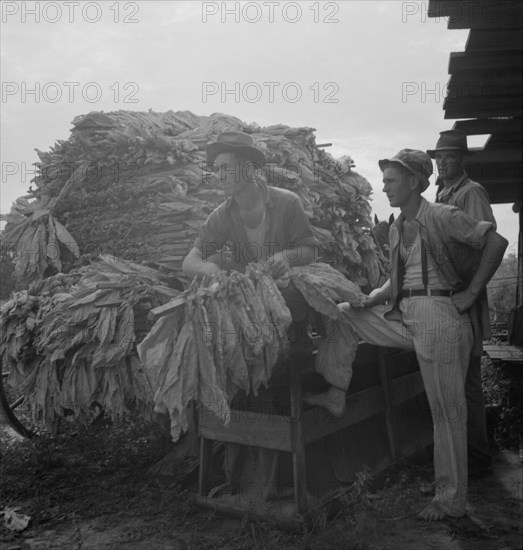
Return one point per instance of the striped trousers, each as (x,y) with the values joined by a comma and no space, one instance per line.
(442,340)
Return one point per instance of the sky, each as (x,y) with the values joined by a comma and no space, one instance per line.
(369,76)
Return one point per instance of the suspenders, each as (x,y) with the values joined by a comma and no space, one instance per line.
(401,264)
(424,274)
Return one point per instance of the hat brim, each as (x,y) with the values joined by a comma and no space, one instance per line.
(214,149)
(383,163)
(432,152)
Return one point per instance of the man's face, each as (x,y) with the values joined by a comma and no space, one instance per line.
(228,169)
(449,164)
(233,172)
(397,185)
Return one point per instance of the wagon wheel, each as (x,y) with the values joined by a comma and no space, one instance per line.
(12,407)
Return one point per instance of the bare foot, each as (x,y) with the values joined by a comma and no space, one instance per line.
(333,400)
(432,512)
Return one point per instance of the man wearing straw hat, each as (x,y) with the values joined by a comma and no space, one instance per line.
(429,298)
(472,198)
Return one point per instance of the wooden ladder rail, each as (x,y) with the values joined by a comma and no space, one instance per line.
(298,443)
(387,398)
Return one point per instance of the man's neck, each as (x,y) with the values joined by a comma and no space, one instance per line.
(251,197)
(410,209)
(452,182)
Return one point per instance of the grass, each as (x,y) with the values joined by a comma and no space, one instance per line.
(99,475)
(100,471)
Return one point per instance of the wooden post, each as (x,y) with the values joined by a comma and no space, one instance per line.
(298,445)
(205,455)
(389,413)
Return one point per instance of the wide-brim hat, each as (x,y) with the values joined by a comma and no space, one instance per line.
(235,142)
(451,140)
(415,161)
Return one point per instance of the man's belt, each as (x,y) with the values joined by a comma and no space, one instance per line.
(411,292)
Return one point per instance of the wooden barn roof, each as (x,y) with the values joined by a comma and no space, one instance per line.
(484,93)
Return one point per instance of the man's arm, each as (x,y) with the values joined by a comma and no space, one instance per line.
(302,255)
(193,264)
(476,203)
(491,257)
(291,257)
(378,296)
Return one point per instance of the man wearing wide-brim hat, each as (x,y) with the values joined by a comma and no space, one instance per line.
(459,190)
(471,197)
(255,222)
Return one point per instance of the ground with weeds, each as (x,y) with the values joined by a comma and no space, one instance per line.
(90,489)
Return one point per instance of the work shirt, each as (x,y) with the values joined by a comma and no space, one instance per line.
(469,196)
(286,227)
(473,199)
(451,238)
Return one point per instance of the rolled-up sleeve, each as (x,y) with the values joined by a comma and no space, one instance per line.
(300,229)
(212,236)
(464,229)
(476,203)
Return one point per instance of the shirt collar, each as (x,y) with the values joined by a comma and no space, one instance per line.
(447,192)
(420,215)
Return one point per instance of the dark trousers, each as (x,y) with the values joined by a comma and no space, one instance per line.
(479,456)
(248,467)
(299,309)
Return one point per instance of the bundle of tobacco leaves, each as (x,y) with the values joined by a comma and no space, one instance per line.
(69,341)
(41,241)
(221,336)
(136,185)
(227,333)
(323,287)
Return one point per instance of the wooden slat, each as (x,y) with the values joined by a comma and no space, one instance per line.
(495,15)
(480,61)
(491,172)
(504,191)
(298,444)
(493,39)
(478,109)
(506,353)
(484,83)
(477,14)
(205,466)
(406,387)
(319,423)
(482,103)
(489,126)
(273,431)
(505,157)
(389,413)
(270,431)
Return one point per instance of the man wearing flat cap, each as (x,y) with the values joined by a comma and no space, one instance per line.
(256,222)
(471,197)
(428,298)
